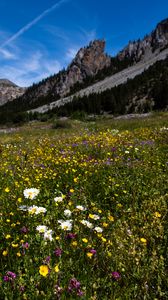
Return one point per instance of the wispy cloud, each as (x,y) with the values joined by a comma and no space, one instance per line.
(7,54)
(32,23)
(89,35)
(33,69)
(71,52)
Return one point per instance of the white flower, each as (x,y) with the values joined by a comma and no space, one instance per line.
(94,216)
(40,210)
(48,235)
(36,210)
(31,193)
(67,213)
(32,209)
(41,228)
(98,229)
(58,199)
(164,128)
(65,225)
(23,207)
(87,223)
(80,207)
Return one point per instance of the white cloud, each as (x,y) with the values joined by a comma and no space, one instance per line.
(33,69)
(7,54)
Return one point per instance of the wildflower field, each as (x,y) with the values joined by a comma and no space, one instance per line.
(84,211)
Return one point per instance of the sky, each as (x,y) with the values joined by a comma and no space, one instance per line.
(38,38)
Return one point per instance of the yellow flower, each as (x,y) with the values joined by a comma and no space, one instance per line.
(14,245)
(111,218)
(157,214)
(103,239)
(89,255)
(76,179)
(99,235)
(71,190)
(143,240)
(74,243)
(18,254)
(85,240)
(57,238)
(109,254)
(56,269)
(5,253)
(19,200)
(105,225)
(7,190)
(8,236)
(43,270)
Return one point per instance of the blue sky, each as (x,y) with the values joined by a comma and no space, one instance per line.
(40,37)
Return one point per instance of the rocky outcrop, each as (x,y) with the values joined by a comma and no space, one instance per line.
(88,62)
(143,49)
(9,91)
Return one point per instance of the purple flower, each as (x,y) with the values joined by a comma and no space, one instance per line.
(24,230)
(11,274)
(71,236)
(6,278)
(25,245)
(93,251)
(80,293)
(58,252)
(116,275)
(74,284)
(22,288)
(47,260)
(58,289)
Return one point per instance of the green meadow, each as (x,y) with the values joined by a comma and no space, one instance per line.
(84,210)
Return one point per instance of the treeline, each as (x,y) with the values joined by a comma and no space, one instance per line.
(151,85)
(31,98)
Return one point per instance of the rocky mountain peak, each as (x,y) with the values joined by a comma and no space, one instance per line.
(88,61)
(143,49)
(7,83)
(9,91)
(91,59)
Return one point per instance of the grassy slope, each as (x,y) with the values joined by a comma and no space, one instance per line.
(121,176)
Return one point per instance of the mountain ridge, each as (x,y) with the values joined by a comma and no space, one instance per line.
(93,71)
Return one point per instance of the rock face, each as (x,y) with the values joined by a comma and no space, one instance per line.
(9,91)
(88,62)
(142,49)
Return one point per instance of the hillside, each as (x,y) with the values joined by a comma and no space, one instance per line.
(93,74)
(9,91)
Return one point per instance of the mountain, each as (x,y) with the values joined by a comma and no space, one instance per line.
(152,43)
(92,72)
(9,91)
(87,63)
